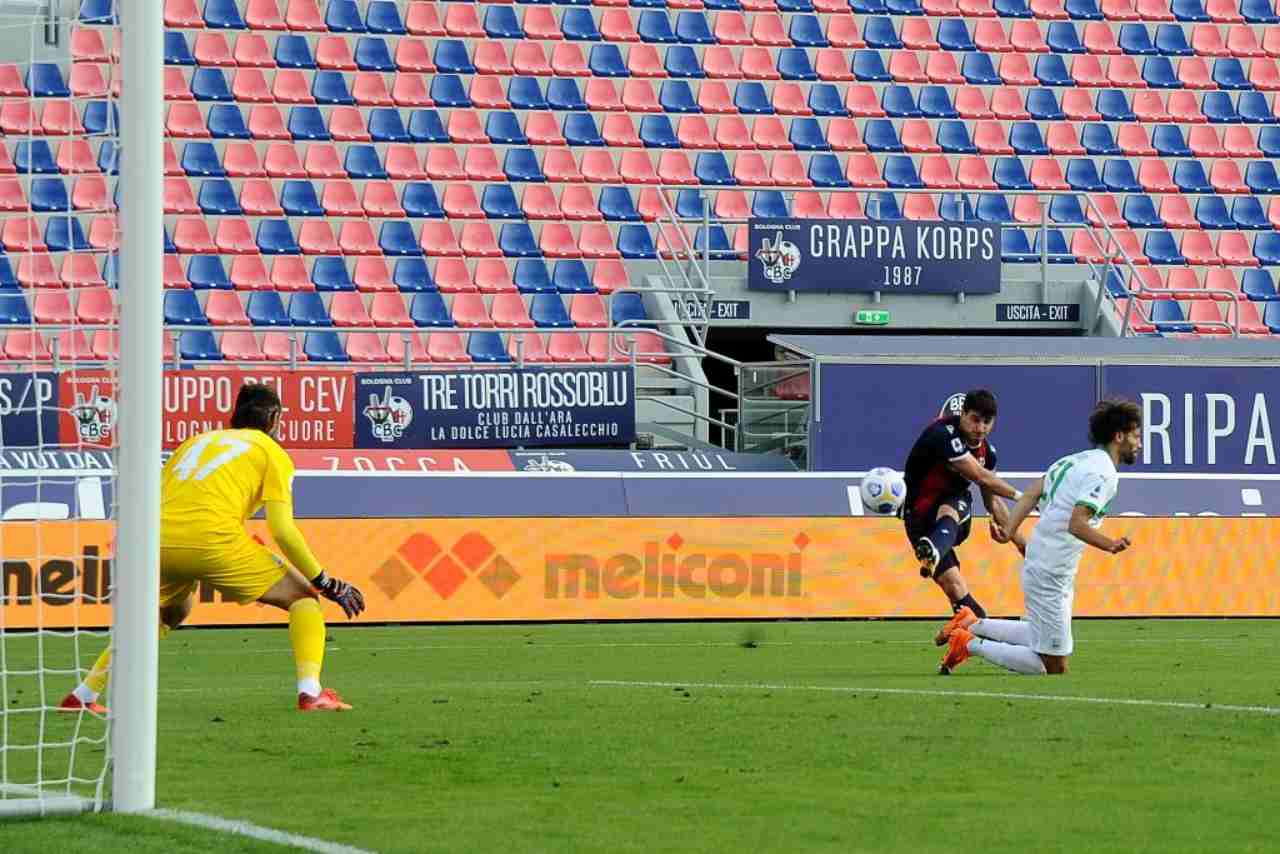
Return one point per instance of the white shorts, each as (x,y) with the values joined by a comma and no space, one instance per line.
(1047,601)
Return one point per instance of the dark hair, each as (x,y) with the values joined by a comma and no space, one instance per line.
(255,404)
(981,401)
(1111,417)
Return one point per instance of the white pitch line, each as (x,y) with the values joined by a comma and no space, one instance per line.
(253,831)
(924,692)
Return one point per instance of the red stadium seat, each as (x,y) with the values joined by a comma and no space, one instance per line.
(234,237)
(528,347)
(1184,108)
(904,67)
(95,305)
(1077,105)
(452,276)
(1007,104)
(749,169)
(843,31)
(1046,174)
(990,37)
(460,202)
(767,29)
(1154,177)
(576,203)
(252,50)
(289,274)
(422,19)
(265,122)
(1198,248)
(1204,142)
(1123,72)
(809,205)
(1015,70)
(567,60)
(542,129)
(596,241)
(1149,106)
(732,204)
(1194,73)
(479,241)
(508,311)
(598,167)
(643,61)
(334,53)
(1233,248)
(305,15)
(1226,178)
(843,135)
(731,29)
(1264,75)
(863,171)
(861,102)
(558,165)
(249,273)
(371,275)
(1107,211)
(693,132)
(556,241)
(492,276)
(566,347)
(1026,37)
(1206,40)
(1239,143)
(601,95)
(1176,211)
(713,97)
(974,174)
(223,308)
(917,34)
(637,168)
(81,271)
(437,238)
(1087,71)
(941,68)
(530,58)
(1049,10)
(917,137)
(756,63)
(370,90)
(37,271)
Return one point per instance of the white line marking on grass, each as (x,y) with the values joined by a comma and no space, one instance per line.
(253,831)
(924,692)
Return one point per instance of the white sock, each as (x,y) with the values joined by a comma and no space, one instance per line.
(310,687)
(1019,659)
(85,694)
(1005,631)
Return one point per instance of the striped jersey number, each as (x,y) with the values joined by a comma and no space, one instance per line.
(232,446)
(1055,475)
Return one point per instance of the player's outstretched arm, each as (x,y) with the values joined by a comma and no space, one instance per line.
(294,546)
(1022,509)
(999,511)
(968,468)
(1083,531)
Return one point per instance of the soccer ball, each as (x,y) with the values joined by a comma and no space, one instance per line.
(883,491)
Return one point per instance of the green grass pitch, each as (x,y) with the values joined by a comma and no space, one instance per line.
(707,737)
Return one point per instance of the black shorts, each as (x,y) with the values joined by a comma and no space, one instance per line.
(920,526)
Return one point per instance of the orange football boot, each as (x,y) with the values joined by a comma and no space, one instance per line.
(327,701)
(957,652)
(962,619)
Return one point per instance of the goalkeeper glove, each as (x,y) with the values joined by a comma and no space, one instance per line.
(347,596)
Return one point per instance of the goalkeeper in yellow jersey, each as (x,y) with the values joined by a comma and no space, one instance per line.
(213,483)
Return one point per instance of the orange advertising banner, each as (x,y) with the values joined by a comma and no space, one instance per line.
(55,574)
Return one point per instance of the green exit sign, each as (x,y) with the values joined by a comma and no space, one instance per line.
(871,317)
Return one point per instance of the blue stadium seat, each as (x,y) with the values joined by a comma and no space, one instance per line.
(343,16)
(580,129)
(795,6)
(1266,248)
(500,22)
(503,128)
(627,309)
(1171,39)
(1228,73)
(307,123)
(516,240)
(169,248)
(201,159)
(978,70)
(1168,142)
(793,64)
(226,122)
(1098,141)
(198,345)
(654,26)
(274,237)
(524,93)
(1247,212)
(412,276)
(420,200)
(547,311)
(1013,9)
(807,31)
(869,7)
(13,308)
(1253,108)
(530,275)
(868,67)
(1026,140)
(108,159)
(880,34)
(825,171)
(1009,174)
(1051,70)
(44,80)
(327,87)
(1083,175)
(218,198)
(1271,312)
(1261,177)
(1162,248)
(606,61)
(692,28)
(935,103)
(324,346)
(955,207)
(425,126)
(1158,73)
(953,35)
(293,51)
(1258,286)
(769,203)
(362,162)
(570,277)
(298,198)
(1258,12)
(1269,141)
(712,168)
(451,57)
(205,272)
(879,135)
(1043,106)
(954,138)
(1113,104)
(110,272)
(104,117)
(899,102)
(1063,38)
(883,206)
(1134,39)
(1211,212)
(383,17)
(1217,108)
(681,61)
(616,205)
(1065,210)
(1115,285)
(97,12)
(676,97)
(428,309)
(223,15)
(1167,316)
(176,49)
(65,234)
(306,308)
(182,309)
(900,172)
(563,94)
(329,273)
(751,98)
(1190,178)
(1084,10)
(825,100)
(1055,246)
(373,54)
(806,135)
(1189,10)
(499,202)
(487,348)
(1140,212)
(8,280)
(1015,248)
(447,90)
(657,132)
(634,241)
(1119,177)
(49,194)
(397,238)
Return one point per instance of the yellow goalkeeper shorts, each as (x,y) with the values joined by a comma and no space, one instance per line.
(241,570)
